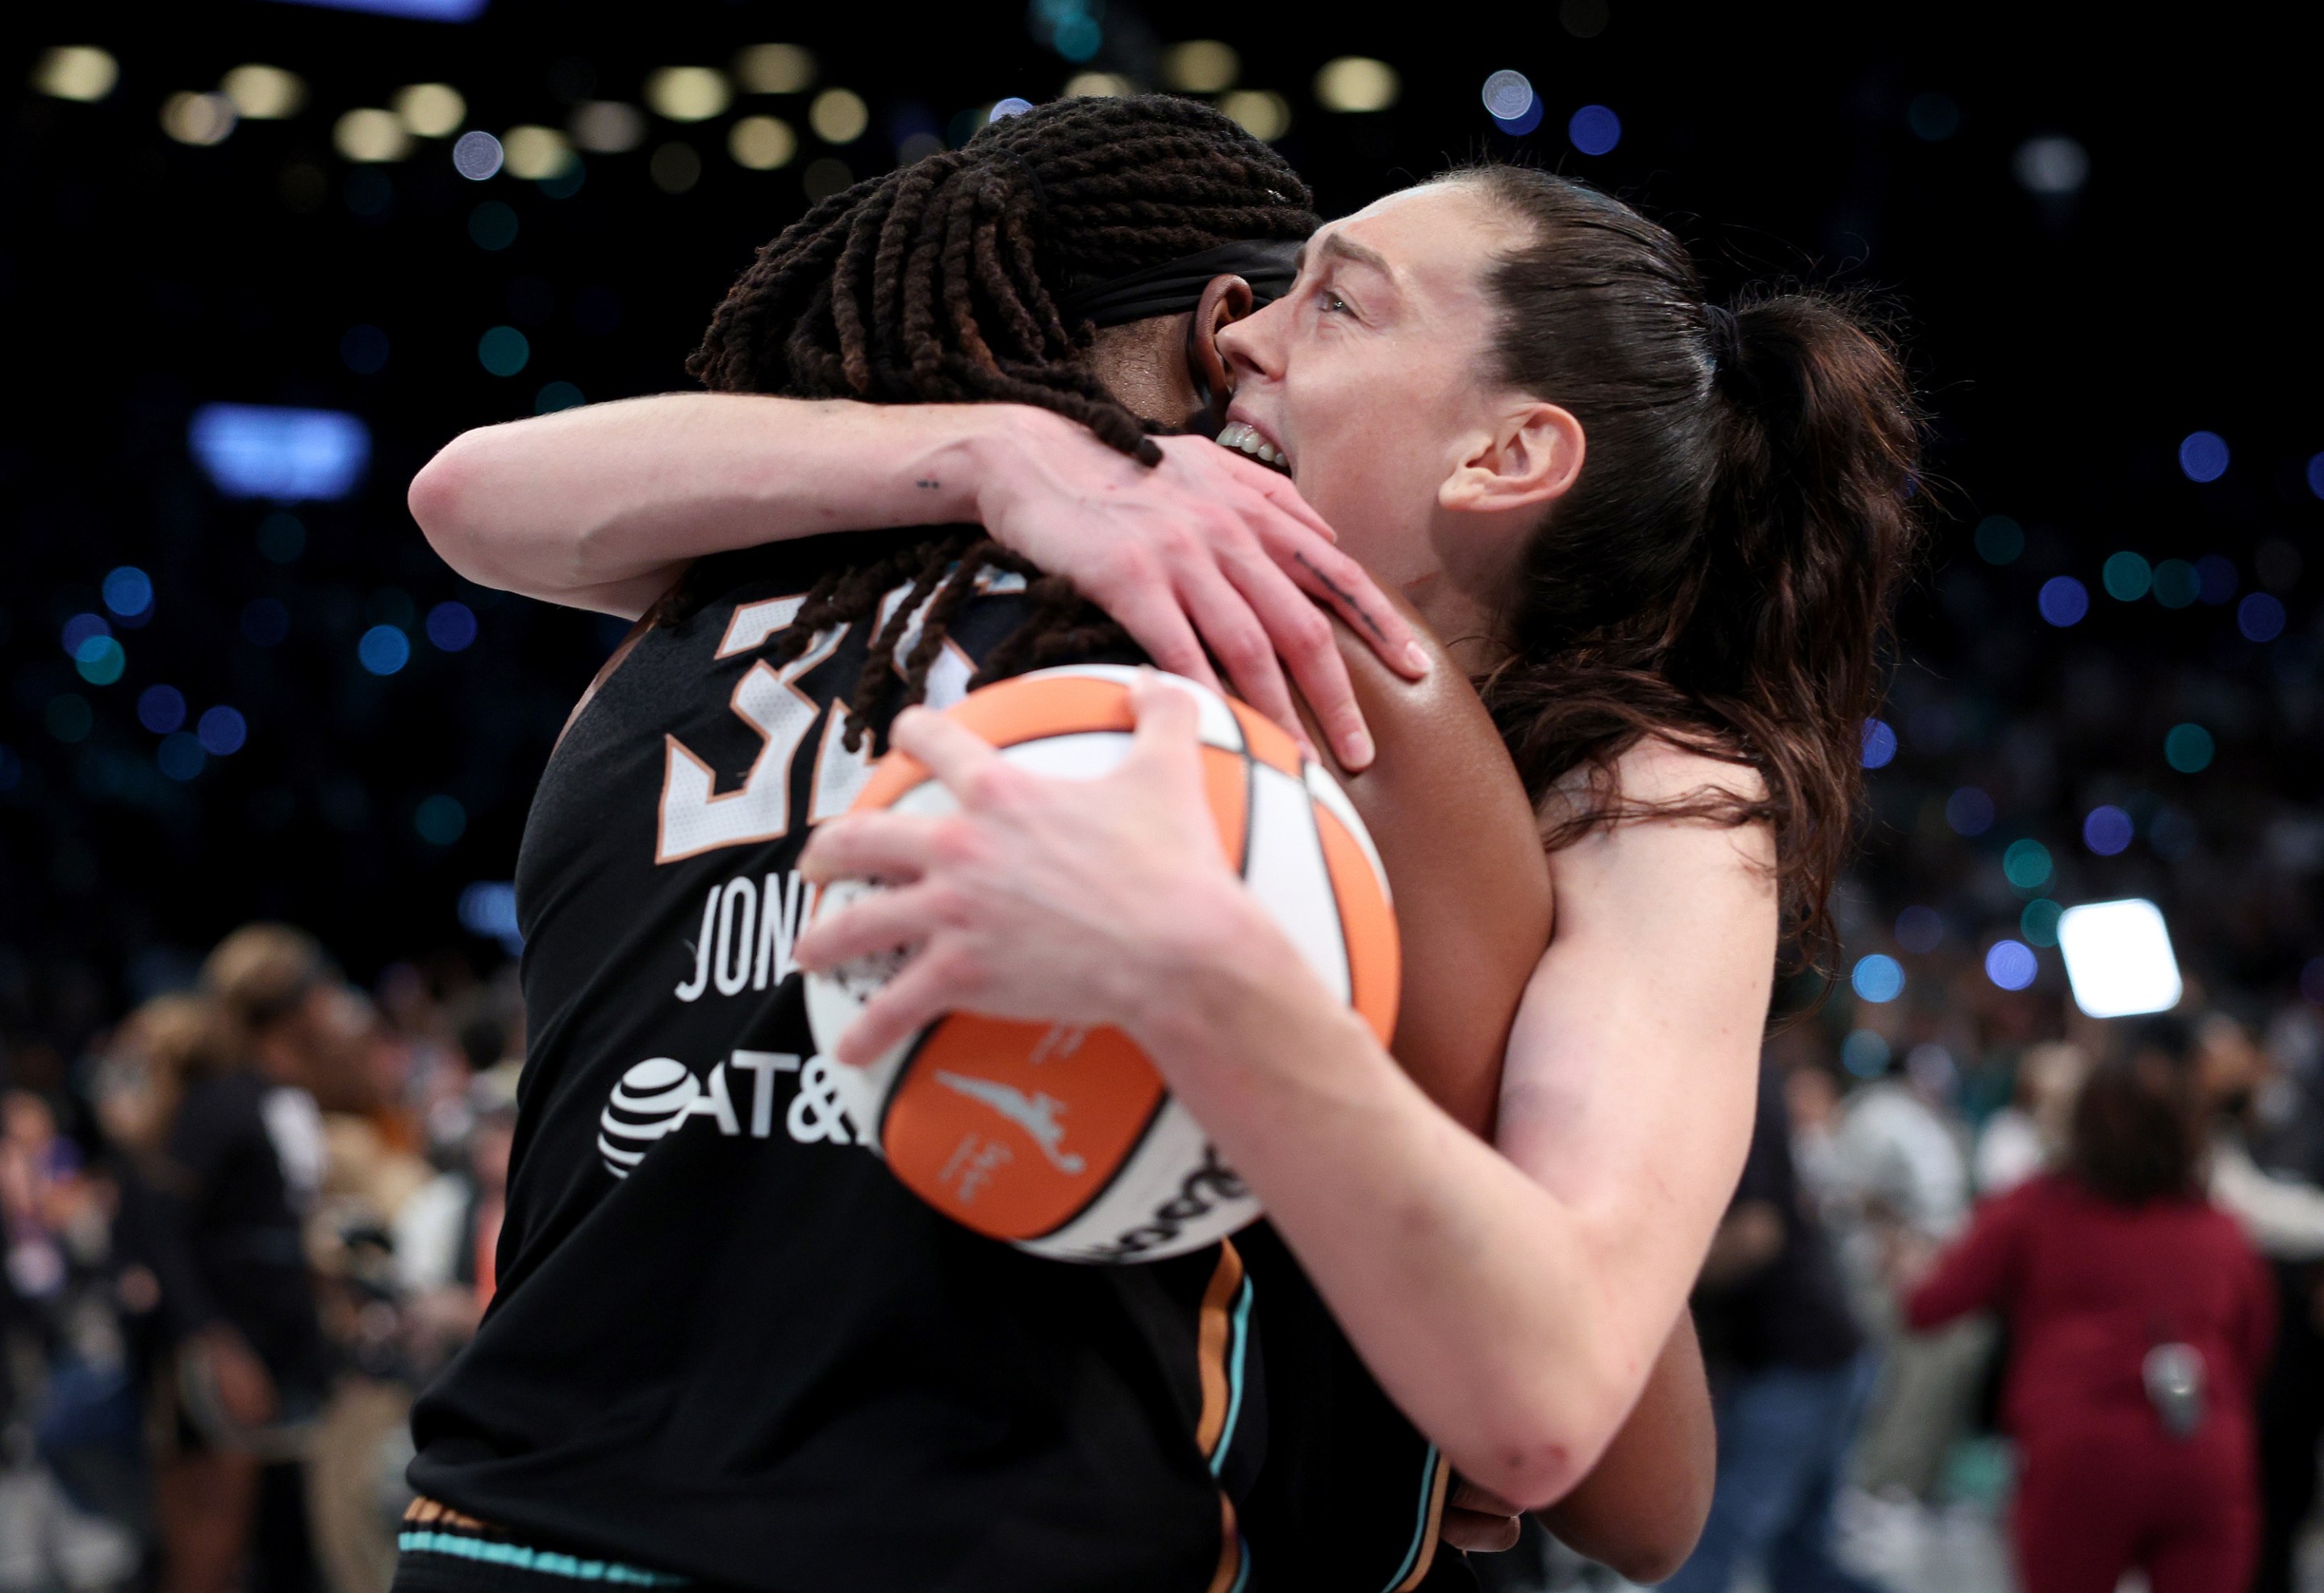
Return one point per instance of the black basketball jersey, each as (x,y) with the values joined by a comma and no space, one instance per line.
(728,1344)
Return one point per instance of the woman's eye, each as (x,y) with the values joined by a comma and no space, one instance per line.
(1334,304)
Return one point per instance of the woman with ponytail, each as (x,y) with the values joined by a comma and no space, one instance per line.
(1662,535)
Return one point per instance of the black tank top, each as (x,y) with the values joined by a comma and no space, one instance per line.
(726,1343)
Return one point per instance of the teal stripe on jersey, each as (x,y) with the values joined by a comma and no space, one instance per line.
(517,1557)
(1419,1527)
(1240,1330)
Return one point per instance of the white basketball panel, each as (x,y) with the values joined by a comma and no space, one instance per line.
(1287,874)
(1172,1196)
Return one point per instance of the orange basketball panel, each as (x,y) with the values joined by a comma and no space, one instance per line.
(1226,781)
(1013,1129)
(1270,743)
(1005,714)
(1367,926)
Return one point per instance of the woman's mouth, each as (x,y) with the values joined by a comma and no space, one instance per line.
(1245,437)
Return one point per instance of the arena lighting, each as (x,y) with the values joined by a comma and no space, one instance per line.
(77,71)
(368,135)
(1264,115)
(774,69)
(430,110)
(261,451)
(608,127)
(1357,83)
(687,94)
(1097,86)
(1200,66)
(761,144)
(488,909)
(263,93)
(2118,960)
(536,154)
(839,116)
(2052,166)
(432,11)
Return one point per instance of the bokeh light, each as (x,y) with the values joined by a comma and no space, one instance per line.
(1507,95)
(1879,744)
(1864,1053)
(1357,83)
(180,756)
(2064,601)
(536,154)
(491,226)
(2188,749)
(2315,475)
(263,93)
(1999,539)
(2260,617)
(477,156)
(430,110)
(2312,980)
(2039,922)
(554,396)
(838,115)
(199,119)
(688,94)
(370,135)
(2011,964)
(1097,86)
(675,168)
(384,649)
(1200,66)
(1262,113)
(774,69)
(82,629)
(607,126)
(80,72)
(2052,166)
(441,821)
(1920,930)
(2126,577)
(761,144)
(1968,812)
(2176,583)
(2203,455)
(2026,865)
(282,537)
(2107,830)
(161,709)
(100,661)
(128,591)
(222,730)
(68,717)
(504,351)
(1877,978)
(452,627)
(1595,130)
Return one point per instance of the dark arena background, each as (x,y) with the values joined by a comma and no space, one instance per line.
(261,260)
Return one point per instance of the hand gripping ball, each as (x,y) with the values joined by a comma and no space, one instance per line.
(1062,1140)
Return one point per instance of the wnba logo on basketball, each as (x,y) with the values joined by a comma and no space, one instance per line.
(652,1100)
(1062,1140)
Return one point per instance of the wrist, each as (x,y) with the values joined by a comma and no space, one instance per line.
(998,448)
(1228,984)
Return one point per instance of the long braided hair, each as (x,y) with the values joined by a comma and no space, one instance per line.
(945,282)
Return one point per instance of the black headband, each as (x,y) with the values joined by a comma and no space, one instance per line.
(1176,285)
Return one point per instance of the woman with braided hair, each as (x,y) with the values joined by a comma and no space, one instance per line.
(841,1334)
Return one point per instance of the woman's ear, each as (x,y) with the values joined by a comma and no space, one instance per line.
(1531,459)
(1225,300)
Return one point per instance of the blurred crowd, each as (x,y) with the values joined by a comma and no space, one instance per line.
(243,1225)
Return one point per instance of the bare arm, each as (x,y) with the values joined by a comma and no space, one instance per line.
(1206,554)
(1642,1508)
(1512,1305)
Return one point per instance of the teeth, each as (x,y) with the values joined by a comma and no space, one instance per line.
(1268,454)
(1243,437)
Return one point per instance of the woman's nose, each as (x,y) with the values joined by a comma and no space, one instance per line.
(1247,344)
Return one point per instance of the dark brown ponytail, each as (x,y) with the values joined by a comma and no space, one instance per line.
(1722,572)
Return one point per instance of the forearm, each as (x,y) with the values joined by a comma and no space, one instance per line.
(1643,1505)
(601,507)
(1483,1304)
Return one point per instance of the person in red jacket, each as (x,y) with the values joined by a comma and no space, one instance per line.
(2139,1322)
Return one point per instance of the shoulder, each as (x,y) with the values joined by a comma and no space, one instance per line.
(1661,796)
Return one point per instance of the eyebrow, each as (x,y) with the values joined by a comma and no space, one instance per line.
(1338,244)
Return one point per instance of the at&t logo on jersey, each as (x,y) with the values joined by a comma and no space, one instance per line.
(658,1097)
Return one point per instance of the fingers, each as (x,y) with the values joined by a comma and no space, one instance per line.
(1341,583)
(877,922)
(1302,635)
(1475,1533)
(1156,623)
(1225,619)
(1277,488)
(870,846)
(924,991)
(1169,723)
(954,753)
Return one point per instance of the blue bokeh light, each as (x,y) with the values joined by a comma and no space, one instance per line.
(2260,617)
(1879,744)
(2011,964)
(488,908)
(180,756)
(1864,1054)
(1595,130)
(452,627)
(78,630)
(384,649)
(1002,110)
(1877,978)
(100,661)
(2107,830)
(441,821)
(261,451)
(128,591)
(1968,812)
(222,732)
(161,709)
(2064,600)
(2315,475)
(503,350)
(1920,930)
(2203,455)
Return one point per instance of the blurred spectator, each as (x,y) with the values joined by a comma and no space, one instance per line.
(2140,1321)
(2028,1136)
(1789,1376)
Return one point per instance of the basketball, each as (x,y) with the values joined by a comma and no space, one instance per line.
(1064,1141)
